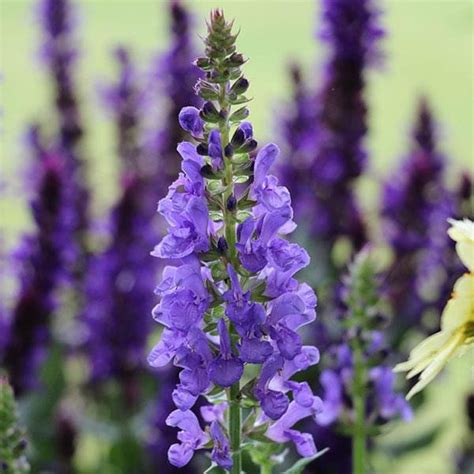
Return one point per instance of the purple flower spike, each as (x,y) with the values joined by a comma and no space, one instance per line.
(221,450)
(225,369)
(190,121)
(233,273)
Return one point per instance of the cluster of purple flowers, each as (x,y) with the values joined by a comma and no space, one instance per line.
(416,204)
(40,258)
(325,131)
(59,54)
(232,299)
(118,282)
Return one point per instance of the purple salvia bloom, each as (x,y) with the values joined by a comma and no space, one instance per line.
(57,18)
(215,149)
(225,369)
(221,450)
(191,437)
(41,258)
(60,54)
(324,132)
(118,289)
(119,284)
(211,413)
(282,430)
(191,122)
(229,297)
(415,207)
(163,436)
(125,100)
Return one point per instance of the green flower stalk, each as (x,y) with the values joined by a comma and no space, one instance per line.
(12,438)
(362,300)
(359,393)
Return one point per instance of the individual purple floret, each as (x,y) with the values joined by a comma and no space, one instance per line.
(324,132)
(415,207)
(228,298)
(40,258)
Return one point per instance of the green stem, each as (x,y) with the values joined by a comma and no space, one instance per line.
(266,468)
(235,420)
(359,435)
(235,411)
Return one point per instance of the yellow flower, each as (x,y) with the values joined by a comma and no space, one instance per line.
(463,233)
(457,320)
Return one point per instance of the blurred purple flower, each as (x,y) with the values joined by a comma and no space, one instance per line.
(324,133)
(41,259)
(59,52)
(415,207)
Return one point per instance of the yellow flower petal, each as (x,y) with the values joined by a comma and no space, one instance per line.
(463,233)
(460,308)
(437,364)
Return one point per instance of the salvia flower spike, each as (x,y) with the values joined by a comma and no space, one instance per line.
(40,257)
(359,386)
(229,304)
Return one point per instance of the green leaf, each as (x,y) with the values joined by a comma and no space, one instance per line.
(298,467)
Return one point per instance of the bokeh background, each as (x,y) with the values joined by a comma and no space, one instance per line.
(428,50)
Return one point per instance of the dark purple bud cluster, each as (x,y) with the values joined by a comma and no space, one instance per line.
(118,282)
(325,132)
(415,207)
(60,53)
(40,259)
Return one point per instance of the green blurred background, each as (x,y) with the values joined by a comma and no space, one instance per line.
(428,50)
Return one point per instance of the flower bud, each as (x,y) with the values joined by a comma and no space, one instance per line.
(228,150)
(240,86)
(203,63)
(222,245)
(239,115)
(231,203)
(209,113)
(250,145)
(190,121)
(236,60)
(202,149)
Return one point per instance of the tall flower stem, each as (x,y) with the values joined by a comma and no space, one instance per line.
(358,436)
(235,416)
(235,411)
